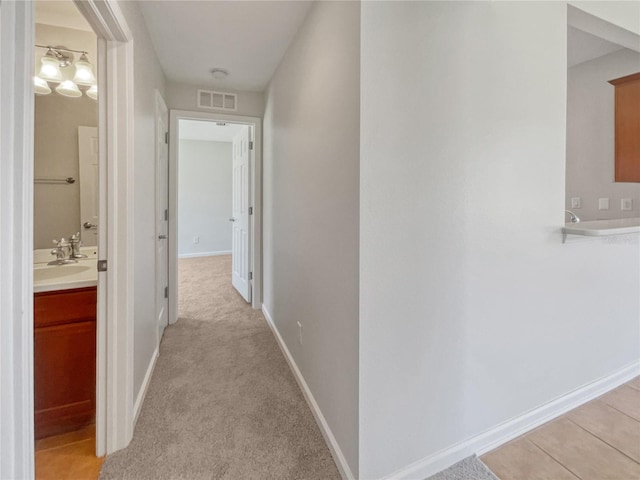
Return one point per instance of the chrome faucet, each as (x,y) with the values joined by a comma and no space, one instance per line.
(75,243)
(62,252)
(573,217)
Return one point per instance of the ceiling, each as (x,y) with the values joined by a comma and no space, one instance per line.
(209,131)
(582,47)
(61,14)
(246,38)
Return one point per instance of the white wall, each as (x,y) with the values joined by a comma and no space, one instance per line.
(148,77)
(472,310)
(204,197)
(184,97)
(591,136)
(311,149)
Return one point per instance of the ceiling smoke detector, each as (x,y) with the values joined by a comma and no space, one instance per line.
(219,73)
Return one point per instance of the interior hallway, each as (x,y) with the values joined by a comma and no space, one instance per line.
(222,402)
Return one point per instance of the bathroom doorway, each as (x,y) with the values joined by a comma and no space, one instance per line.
(65,238)
(65,252)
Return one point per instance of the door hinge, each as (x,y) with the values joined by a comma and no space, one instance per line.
(250,210)
(250,275)
(102,265)
(166,137)
(250,145)
(166,214)
(166,292)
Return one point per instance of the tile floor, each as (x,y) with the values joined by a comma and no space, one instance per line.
(597,441)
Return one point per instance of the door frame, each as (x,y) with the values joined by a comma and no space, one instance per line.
(114,378)
(255,254)
(16,240)
(161,110)
(114,344)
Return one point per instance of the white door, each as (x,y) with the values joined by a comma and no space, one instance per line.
(240,215)
(88,158)
(162,215)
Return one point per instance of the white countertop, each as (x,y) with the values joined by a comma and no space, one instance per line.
(48,278)
(601,228)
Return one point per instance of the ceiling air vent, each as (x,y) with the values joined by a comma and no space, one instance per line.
(217,100)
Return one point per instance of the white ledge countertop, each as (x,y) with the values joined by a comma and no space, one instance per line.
(49,278)
(603,228)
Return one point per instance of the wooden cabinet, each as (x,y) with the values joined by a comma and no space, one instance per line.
(64,360)
(627,128)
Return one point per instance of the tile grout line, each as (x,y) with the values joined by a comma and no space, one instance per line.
(555,459)
(617,409)
(630,385)
(603,440)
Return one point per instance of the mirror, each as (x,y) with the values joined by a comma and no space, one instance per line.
(591,190)
(65,137)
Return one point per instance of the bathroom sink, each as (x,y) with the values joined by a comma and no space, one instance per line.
(59,271)
(63,277)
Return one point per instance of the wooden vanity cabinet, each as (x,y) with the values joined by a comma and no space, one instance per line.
(627,128)
(64,360)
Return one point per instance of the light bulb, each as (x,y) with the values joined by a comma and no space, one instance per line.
(93,92)
(40,87)
(50,69)
(68,89)
(84,73)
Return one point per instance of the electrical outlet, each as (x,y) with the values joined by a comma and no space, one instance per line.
(603,204)
(626,204)
(299,333)
(576,202)
(196,239)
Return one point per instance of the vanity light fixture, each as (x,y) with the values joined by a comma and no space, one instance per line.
(68,89)
(92,92)
(50,69)
(40,86)
(61,57)
(84,73)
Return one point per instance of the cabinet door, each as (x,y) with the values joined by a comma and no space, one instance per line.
(627,128)
(64,360)
(64,369)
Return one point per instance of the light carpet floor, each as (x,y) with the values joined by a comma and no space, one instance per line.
(222,402)
(471,468)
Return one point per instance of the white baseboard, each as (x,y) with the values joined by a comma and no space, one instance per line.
(137,407)
(204,254)
(506,431)
(336,452)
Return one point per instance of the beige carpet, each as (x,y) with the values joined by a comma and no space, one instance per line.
(222,403)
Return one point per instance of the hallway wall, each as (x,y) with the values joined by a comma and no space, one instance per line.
(472,310)
(148,77)
(310,176)
(181,96)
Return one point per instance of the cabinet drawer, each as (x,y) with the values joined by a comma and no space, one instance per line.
(64,306)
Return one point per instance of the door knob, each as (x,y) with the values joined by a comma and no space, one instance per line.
(232,219)
(162,237)
(88,225)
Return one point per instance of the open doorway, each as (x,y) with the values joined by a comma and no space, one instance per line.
(214,210)
(215,224)
(66,199)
